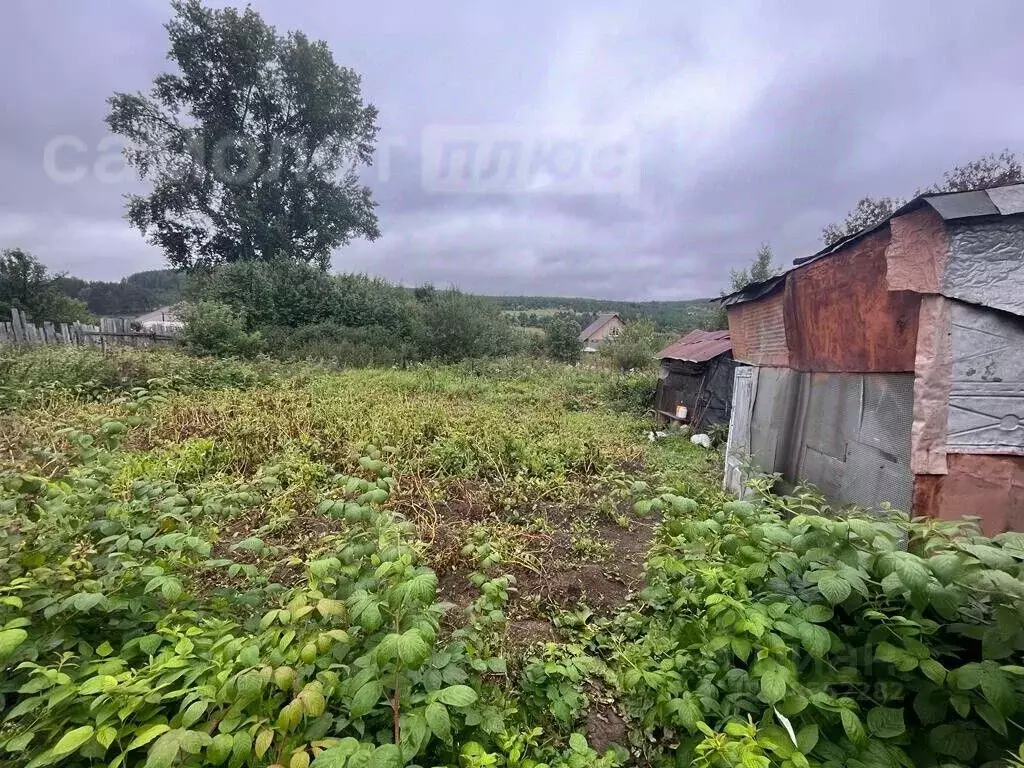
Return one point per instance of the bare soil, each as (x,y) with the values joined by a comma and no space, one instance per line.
(563,559)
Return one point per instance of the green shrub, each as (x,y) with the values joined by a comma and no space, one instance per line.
(339,345)
(456,326)
(216,329)
(773,638)
(633,348)
(562,338)
(631,392)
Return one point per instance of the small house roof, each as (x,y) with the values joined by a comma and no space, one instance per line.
(168,314)
(698,346)
(599,323)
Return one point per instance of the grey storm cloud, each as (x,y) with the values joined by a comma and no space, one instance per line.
(751,122)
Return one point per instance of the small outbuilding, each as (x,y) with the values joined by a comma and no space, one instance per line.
(162,320)
(606,325)
(695,380)
(889,366)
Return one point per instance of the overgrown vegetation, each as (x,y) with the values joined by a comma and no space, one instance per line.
(27,285)
(212,562)
(300,312)
(633,348)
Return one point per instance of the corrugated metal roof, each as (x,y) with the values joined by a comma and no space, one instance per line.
(698,346)
(595,326)
(951,206)
(754,290)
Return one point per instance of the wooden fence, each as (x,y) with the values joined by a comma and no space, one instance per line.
(111,332)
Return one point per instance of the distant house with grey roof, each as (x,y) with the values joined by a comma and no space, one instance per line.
(606,325)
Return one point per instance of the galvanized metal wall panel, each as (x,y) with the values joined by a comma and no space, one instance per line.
(737,450)
(986,399)
(848,434)
(854,437)
(775,401)
(833,413)
(986,264)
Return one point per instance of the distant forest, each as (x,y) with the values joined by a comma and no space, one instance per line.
(130,296)
(676,316)
(145,291)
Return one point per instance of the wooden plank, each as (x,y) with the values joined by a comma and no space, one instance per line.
(17,327)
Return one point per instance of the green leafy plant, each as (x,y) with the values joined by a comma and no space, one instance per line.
(216,329)
(775,638)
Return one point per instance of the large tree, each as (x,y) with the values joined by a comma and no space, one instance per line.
(988,171)
(252,147)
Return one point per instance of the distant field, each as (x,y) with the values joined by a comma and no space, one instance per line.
(539,312)
(675,316)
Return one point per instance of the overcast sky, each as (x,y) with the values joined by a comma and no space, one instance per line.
(751,121)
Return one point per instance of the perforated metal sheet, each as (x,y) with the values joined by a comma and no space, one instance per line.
(888,415)
(871,477)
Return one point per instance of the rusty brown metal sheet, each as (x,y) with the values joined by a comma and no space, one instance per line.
(840,315)
(697,346)
(917,253)
(758,332)
(990,487)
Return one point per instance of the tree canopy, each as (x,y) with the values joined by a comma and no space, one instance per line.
(26,284)
(562,338)
(992,170)
(762,267)
(252,147)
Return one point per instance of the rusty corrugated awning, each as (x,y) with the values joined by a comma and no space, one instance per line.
(698,346)
(754,291)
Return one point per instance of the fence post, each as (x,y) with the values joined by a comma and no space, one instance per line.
(17,326)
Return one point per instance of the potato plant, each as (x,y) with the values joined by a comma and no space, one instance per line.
(142,625)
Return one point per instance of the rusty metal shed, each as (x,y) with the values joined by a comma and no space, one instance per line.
(889,366)
(696,372)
